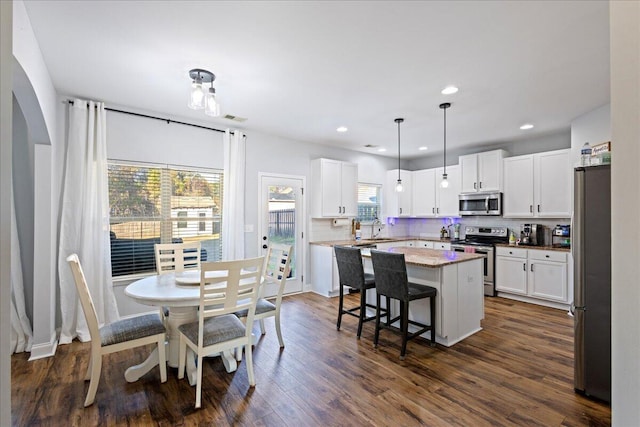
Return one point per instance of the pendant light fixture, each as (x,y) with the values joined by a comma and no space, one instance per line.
(445,183)
(198,99)
(399,184)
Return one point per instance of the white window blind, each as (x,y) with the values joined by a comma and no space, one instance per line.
(369,206)
(152,204)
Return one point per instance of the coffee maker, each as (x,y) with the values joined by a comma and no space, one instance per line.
(532,234)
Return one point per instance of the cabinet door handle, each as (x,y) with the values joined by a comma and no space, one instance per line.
(437,210)
(475,186)
(538,208)
(481,185)
(400,211)
(531,208)
(433,210)
(524,266)
(531,267)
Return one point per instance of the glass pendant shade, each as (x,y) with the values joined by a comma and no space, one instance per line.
(399,186)
(445,182)
(196,100)
(212,107)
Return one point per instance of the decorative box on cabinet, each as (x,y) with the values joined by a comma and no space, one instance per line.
(537,185)
(481,172)
(334,189)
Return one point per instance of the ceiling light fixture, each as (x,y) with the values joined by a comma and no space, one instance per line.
(445,182)
(449,90)
(198,100)
(342,129)
(422,148)
(526,126)
(382,150)
(399,184)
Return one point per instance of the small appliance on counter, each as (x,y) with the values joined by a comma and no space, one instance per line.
(532,234)
(561,236)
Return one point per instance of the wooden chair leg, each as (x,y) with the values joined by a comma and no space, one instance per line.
(96,368)
(199,382)
(363,310)
(377,333)
(404,325)
(340,302)
(252,380)
(182,359)
(162,358)
(87,376)
(278,329)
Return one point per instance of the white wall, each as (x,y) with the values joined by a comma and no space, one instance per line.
(593,127)
(625,205)
(537,144)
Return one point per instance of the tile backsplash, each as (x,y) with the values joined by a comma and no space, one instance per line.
(322,229)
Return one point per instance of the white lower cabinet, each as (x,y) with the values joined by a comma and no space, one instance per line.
(324,270)
(532,273)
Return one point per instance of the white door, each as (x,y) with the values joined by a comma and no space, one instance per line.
(282,221)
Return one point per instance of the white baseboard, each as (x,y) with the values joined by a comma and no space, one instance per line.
(42,350)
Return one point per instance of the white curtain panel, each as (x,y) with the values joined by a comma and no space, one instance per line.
(84,220)
(233,196)
(21,333)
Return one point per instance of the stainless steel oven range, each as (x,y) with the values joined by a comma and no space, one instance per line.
(482,240)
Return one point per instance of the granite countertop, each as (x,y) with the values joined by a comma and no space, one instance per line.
(376,240)
(540,248)
(432,258)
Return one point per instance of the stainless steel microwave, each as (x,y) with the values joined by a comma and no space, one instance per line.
(481,204)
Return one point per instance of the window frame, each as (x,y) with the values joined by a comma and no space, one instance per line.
(378,202)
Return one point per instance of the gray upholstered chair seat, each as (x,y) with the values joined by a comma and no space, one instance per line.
(216,329)
(263,306)
(131,329)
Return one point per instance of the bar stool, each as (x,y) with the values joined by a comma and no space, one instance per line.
(390,271)
(351,273)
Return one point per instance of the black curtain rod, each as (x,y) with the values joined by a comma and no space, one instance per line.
(160,118)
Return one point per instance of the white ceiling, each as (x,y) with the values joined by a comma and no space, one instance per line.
(301,69)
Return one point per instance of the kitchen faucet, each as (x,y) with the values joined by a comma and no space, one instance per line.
(376,222)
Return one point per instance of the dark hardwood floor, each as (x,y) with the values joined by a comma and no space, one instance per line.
(517,371)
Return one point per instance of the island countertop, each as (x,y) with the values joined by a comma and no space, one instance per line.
(433,258)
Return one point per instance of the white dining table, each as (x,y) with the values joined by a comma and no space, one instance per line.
(180,293)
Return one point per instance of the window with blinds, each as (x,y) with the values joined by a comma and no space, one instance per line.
(152,204)
(369,206)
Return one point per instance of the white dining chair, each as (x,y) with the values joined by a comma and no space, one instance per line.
(225,288)
(177,257)
(277,265)
(117,336)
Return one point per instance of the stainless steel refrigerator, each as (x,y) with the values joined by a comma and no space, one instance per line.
(591,248)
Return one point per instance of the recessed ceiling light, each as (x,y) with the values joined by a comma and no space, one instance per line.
(342,129)
(382,150)
(526,126)
(422,148)
(449,90)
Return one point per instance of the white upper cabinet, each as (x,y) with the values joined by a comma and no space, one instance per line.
(424,193)
(334,188)
(398,204)
(552,184)
(537,185)
(431,200)
(482,171)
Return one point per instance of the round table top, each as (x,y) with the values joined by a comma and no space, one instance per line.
(162,290)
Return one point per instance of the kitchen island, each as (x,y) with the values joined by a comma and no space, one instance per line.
(457,276)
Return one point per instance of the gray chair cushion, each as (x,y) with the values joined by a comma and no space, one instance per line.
(131,329)
(216,329)
(263,306)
